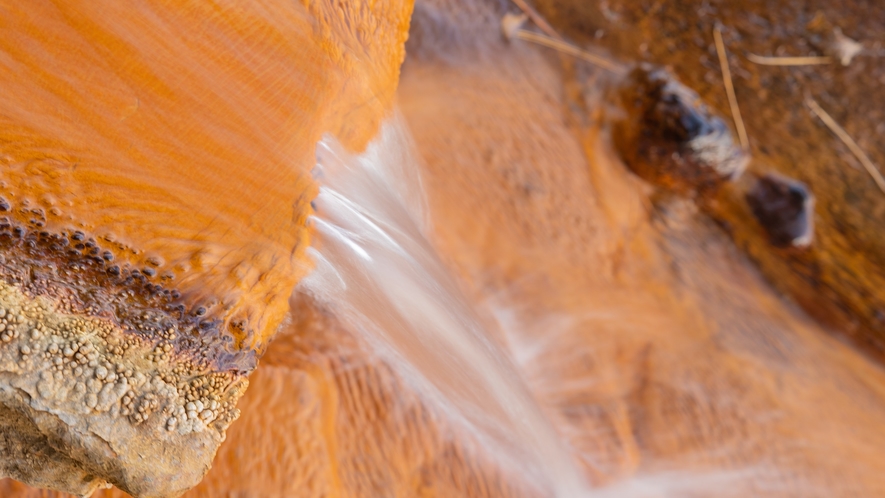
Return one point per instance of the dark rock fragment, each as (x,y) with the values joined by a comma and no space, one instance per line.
(785,208)
(670,138)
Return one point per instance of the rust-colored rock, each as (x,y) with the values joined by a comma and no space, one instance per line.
(154,174)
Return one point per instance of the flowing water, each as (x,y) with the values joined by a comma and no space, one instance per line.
(380,274)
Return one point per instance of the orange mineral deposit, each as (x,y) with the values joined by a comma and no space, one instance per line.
(155,187)
(179,138)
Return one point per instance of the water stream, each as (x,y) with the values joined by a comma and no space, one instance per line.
(375,266)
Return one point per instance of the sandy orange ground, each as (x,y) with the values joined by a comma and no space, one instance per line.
(665,361)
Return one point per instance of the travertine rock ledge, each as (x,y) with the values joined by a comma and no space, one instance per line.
(155,188)
(130,395)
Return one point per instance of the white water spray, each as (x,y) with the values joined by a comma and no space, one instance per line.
(377,270)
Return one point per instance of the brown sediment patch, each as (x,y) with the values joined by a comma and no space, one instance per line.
(839,280)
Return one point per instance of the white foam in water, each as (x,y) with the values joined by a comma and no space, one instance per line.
(377,270)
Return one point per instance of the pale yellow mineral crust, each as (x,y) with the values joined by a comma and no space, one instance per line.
(85,404)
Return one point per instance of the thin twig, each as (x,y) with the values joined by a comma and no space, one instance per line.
(569,49)
(789,61)
(848,141)
(537,19)
(729,88)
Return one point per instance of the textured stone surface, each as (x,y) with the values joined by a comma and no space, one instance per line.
(86,404)
(154,188)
